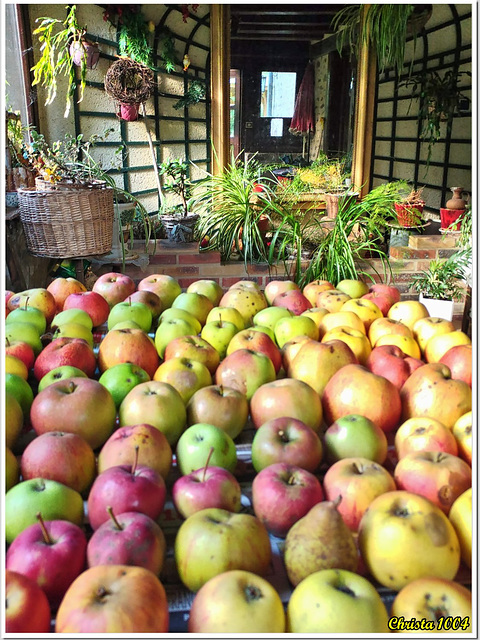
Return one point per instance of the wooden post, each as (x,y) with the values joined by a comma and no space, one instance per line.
(220,85)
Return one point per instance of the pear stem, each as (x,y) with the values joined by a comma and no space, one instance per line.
(115,521)
(135,460)
(337,501)
(206,464)
(46,535)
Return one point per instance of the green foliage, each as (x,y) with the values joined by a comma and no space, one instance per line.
(55,58)
(442,280)
(179,183)
(134,36)
(196,91)
(167,52)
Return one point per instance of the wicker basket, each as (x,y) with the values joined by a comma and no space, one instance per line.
(67,223)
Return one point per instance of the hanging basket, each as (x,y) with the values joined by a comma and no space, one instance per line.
(68,222)
(129,82)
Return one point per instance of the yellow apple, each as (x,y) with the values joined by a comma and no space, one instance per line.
(426,328)
(312,289)
(432,605)
(356,340)
(331,299)
(365,309)
(461,517)
(407,344)
(424,434)
(404,536)
(341,319)
(291,348)
(387,326)
(316,314)
(227,314)
(16,366)
(462,431)
(438,345)
(408,312)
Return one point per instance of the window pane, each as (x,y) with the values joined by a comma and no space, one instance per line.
(278,94)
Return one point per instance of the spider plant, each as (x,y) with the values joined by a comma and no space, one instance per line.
(231,206)
(442,280)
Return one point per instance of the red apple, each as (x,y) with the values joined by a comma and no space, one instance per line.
(291,348)
(61,288)
(110,599)
(125,488)
(166,287)
(256,341)
(358,481)
(276,287)
(221,406)
(424,434)
(129,538)
(293,300)
(114,287)
(128,345)
(387,326)
(286,440)
(76,405)
(387,289)
(286,397)
(391,362)
(441,477)
(246,371)
(193,348)
(73,352)
(459,360)
(26,605)
(149,298)
(282,494)
(64,457)
(90,301)
(153,449)
(205,488)
(382,300)
(355,389)
(52,553)
(21,350)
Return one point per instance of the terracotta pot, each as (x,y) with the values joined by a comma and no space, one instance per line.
(409,215)
(128,112)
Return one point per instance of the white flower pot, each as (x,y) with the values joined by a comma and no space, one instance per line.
(438,308)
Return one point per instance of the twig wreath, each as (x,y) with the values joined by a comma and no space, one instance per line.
(129,82)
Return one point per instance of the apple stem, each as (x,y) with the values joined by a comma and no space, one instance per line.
(206,464)
(26,302)
(220,388)
(135,461)
(115,521)
(7,342)
(220,320)
(46,535)
(358,467)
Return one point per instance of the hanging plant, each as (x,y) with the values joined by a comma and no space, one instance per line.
(133,31)
(185,12)
(167,51)
(61,50)
(130,84)
(196,91)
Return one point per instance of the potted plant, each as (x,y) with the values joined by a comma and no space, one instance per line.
(410,209)
(385,26)
(178,220)
(441,284)
(18,172)
(63,46)
(439,99)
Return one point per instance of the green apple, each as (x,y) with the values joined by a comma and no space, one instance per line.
(288,328)
(195,303)
(185,375)
(270,316)
(30,315)
(218,333)
(60,373)
(126,324)
(209,288)
(228,314)
(355,435)
(128,310)
(13,419)
(12,469)
(336,601)
(21,390)
(167,330)
(353,288)
(24,332)
(121,378)
(78,316)
(263,329)
(170,314)
(74,330)
(54,500)
(193,448)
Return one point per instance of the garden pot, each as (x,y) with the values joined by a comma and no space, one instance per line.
(449,217)
(409,215)
(438,308)
(180,228)
(333,201)
(80,49)
(128,112)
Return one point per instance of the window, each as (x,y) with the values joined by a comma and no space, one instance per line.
(278,94)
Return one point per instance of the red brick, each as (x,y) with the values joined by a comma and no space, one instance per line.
(186,282)
(227,282)
(406,253)
(196,258)
(163,258)
(259,268)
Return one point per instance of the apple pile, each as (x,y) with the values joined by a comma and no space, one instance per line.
(356,410)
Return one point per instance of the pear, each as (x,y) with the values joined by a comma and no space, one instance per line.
(319,540)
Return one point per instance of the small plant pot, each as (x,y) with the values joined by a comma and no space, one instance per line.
(438,308)
(409,215)
(11,198)
(128,112)
(449,217)
(333,201)
(84,48)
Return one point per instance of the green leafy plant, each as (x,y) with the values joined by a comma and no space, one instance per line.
(179,183)
(196,91)
(443,278)
(134,31)
(55,38)
(326,174)
(384,26)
